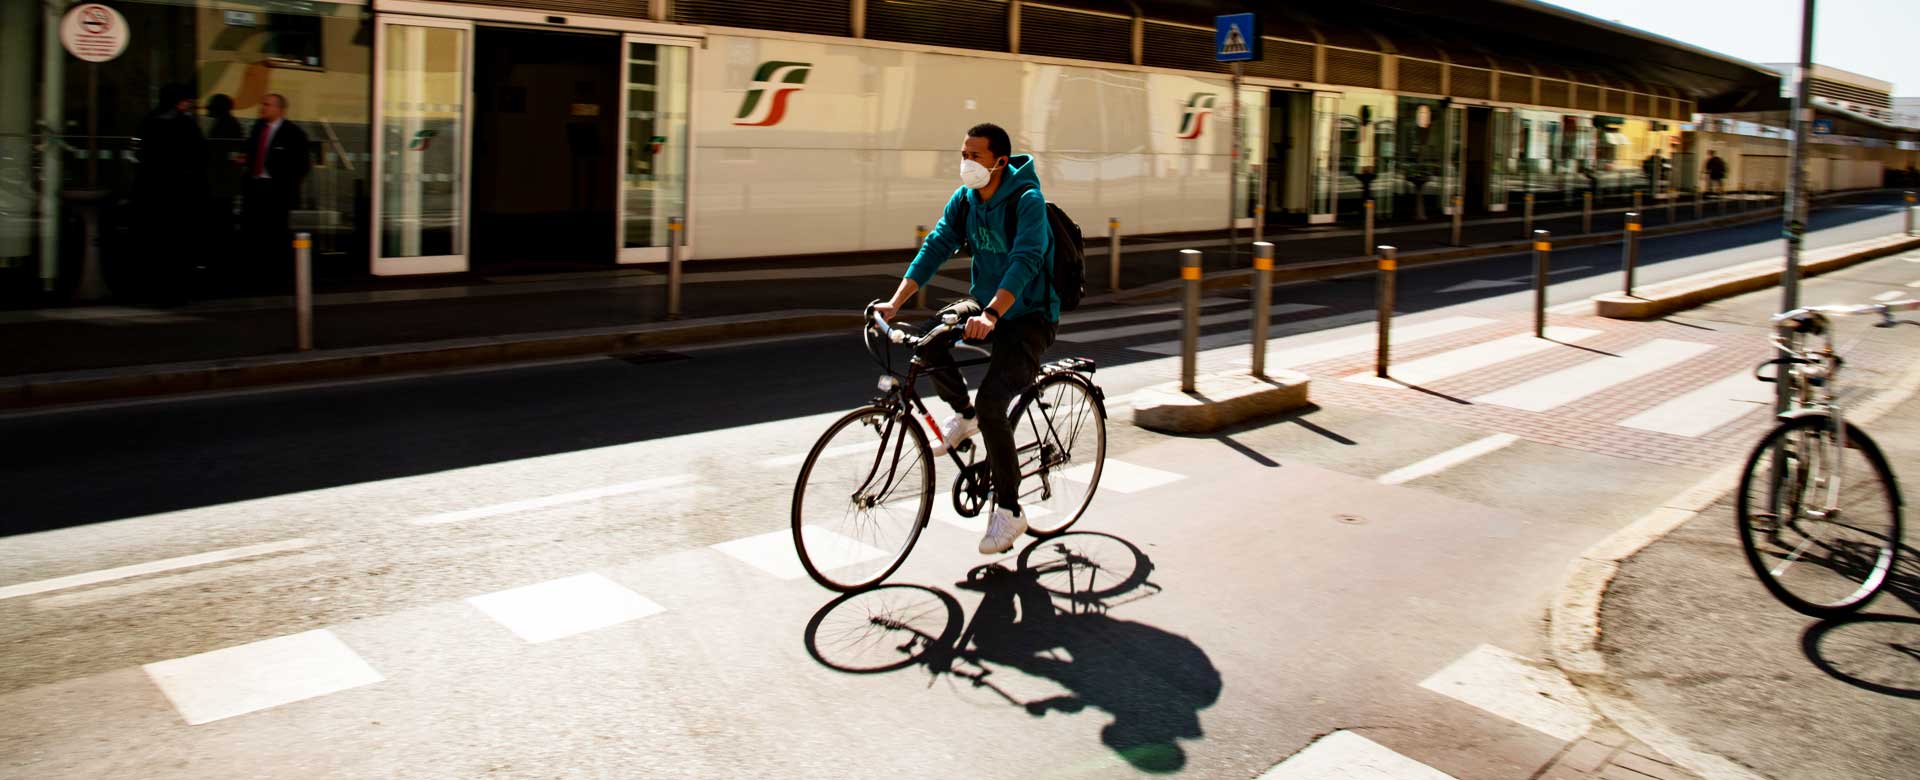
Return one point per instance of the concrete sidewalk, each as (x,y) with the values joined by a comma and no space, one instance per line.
(1672,636)
(385,313)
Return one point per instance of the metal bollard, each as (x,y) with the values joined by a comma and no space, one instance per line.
(1636,200)
(920,241)
(1630,249)
(1113,254)
(1528,221)
(303,290)
(1368,246)
(1586,213)
(674,226)
(1542,248)
(1910,199)
(1190,318)
(1459,213)
(1262,302)
(1389,264)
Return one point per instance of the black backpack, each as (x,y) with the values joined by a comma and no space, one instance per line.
(1069,252)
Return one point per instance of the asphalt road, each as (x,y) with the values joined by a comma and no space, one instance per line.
(1272,590)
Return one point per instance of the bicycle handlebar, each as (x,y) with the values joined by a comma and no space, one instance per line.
(901,335)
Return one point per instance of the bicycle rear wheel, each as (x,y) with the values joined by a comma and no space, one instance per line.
(1819,563)
(863,496)
(1060,432)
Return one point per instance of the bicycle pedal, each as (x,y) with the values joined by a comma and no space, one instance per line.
(964,446)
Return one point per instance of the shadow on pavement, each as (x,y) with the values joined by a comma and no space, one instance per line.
(1046,618)
(1878,653)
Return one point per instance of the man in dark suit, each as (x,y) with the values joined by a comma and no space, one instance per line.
(277,162)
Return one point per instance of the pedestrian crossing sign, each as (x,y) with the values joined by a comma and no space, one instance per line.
(1236,38)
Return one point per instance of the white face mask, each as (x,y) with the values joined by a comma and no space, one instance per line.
(975,175)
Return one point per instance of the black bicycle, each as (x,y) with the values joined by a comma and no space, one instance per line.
(867,490)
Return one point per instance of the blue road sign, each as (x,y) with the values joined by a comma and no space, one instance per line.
(1236,38)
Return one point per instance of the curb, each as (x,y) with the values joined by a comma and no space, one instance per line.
(1328,269)
(1574,618)
(1687,292)
(41,390)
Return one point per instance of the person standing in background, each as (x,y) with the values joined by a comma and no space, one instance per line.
(168,190)
(226,161)
(277,162)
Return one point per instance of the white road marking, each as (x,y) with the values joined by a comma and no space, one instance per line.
(1344,755)
(1572,384)
(1469,359)
(256,676)
(943,511)
(150,567)
(1913,284)
(1083,318)
(1515,688)
(312,561)
(564,607)
(773,553)
(1126,331)
(1890,295)
(1353,345)
(1448,459)
(1124,477)
(1517,281)
(1707,409)
(828,454)
(545,502)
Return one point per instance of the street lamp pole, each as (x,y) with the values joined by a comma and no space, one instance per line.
(1794,215)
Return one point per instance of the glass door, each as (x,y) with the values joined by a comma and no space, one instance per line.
(1326,114)
(422,119)
(1499,143)
(656,146)
(1455,177)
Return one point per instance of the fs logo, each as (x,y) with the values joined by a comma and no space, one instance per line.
(1193,118)
(766,101)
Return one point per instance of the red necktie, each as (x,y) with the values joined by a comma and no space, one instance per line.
(260,156)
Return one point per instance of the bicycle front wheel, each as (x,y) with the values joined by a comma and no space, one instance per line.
(1060,433)
(864,494)
(1820,522)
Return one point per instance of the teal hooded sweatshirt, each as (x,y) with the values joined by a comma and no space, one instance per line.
(1021,263)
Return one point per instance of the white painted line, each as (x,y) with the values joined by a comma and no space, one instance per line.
(256,676)
(150,567)
(1469,359)
(564,607)
(773,553)
(1890,295)
(1127,331)
(828,454)
(1448,459)
(1707,409)
(943,511)
(545,502)
(1530,693)
(1124,477)
(1344,755)
(1353,345)
(1572,384)
(1913,284)
(312,562)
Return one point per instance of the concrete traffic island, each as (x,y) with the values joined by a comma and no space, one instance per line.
(1218,401)
(1658,300)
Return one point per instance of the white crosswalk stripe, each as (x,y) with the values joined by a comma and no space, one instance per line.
(1344,755)
(1707,409)
(1290,357)
(1526,692)
(220,684)
(1572,384)
(1469,359)
(564,607)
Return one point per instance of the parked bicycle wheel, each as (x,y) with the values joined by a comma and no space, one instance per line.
(864,493)
(1060,432)
(1820,523)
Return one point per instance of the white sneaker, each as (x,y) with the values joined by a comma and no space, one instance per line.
(1002,528)
(957,429)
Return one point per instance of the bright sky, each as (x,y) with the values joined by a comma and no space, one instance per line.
(1874,38)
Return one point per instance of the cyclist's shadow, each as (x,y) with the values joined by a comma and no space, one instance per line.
(1152,682)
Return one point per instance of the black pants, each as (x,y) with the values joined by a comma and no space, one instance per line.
(1017,347)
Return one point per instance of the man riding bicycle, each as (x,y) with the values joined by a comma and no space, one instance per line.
(1013,271)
